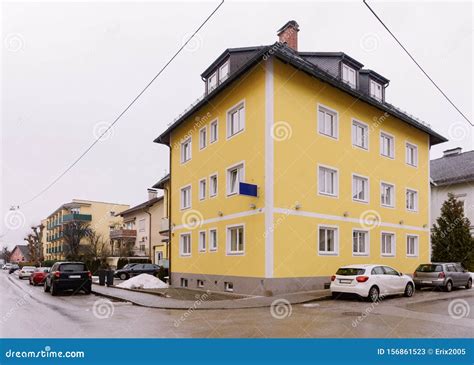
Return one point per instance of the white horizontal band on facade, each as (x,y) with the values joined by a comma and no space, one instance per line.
(344,219)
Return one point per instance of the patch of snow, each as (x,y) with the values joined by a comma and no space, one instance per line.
(311,305)
(143,281)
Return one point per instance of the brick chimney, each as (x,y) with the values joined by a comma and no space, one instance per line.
(152,194)
(289,34)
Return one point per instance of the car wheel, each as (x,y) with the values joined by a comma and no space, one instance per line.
(409,290)
(469,284)
(449,286)
(54,290)
(374,294)
(46,287)
(123,276)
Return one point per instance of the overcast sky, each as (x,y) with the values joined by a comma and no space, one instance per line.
(68,69)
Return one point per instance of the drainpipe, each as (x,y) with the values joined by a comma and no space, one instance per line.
(149,234)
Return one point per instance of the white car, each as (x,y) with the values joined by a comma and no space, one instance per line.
(26,271)
(371,282)
(7,266)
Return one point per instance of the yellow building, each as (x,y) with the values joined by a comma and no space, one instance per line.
(100,216)
(341,176)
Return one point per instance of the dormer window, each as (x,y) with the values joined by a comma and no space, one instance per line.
(224,71)
(212,82)
(349,76)
(375,90)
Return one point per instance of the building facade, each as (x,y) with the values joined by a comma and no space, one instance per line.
(19,254)
(100,216)
(292,165)
(453,173)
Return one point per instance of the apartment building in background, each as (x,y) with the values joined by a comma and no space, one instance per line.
(100,216)
(453,173)
(291,165)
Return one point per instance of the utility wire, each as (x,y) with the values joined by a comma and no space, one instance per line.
(416,63)
(123,111)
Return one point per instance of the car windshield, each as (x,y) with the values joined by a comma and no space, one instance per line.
(72,267)
(429,268)
(128,266)
(348,271)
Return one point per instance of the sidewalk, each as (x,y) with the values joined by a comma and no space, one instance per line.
(156,301)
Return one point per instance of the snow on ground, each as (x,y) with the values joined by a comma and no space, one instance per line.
(143,281)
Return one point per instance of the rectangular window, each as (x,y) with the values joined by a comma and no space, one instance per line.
(213,239)
(184,283)
(412,200)
(327,122)
(203,138)
(412,245)
(200,283)
(202,241)
(185,244)
(387,195)
(141,225)
(212,82)
(376,90)
(213,185)
(327,183)
(387,145)
(235,120)
(186,197)
(328,244)
(213,131)
(235,240)
(388,244)
(360,188)
(202,189)
(411,154)
(360,134)
(224,72)
(228,286)
(186,150)
(235,176)
(349,76)
(360,243)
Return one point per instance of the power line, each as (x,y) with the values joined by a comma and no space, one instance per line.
(123,111)
(416,63)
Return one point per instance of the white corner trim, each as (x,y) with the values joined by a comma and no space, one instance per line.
(269,168)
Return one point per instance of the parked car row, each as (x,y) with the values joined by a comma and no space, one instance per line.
(375,281)
(130,270)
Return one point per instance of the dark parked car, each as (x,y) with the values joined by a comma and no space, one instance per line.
(68,275)
(39,275)
(442,275)
(13,268)
(130,270)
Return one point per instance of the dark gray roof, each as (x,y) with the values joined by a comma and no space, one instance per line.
(453,169)
(24,251)
(141,206)
(292,57)
(161,183)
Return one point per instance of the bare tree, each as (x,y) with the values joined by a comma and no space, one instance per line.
(74,233)
(35,244)
(5,254)
(97,248)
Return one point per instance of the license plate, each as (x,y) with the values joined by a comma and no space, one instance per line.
(74,276)
(426,281)
(345,281)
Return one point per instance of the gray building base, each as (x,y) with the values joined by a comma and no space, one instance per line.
(249,285)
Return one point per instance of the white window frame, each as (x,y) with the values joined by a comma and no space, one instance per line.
(367,242)
(229,286)
(202,189)
(203,142)
(182,205)
(209,88)
(326,110)
(229,237)
(417,244)
(212,193)
(202,237)
(415,201)
(242,177)
(373,94)
(211,139)
(382,183)
(222,79)
(365,126)
(182,150)
(200,283)
(392,139)
(347,81)
(336,240)
(367,193)
(238,106)
(393,245)
(336,181)
(181,245)
(211,246)
(409,145)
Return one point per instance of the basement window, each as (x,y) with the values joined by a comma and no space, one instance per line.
(228,286)
(200,283)
(184,283)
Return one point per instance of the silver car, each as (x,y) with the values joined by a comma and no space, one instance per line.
(26,272)
(445,275)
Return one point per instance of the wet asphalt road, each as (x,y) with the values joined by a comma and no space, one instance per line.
(27,311)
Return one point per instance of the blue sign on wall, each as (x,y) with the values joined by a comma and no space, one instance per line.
(247,189)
